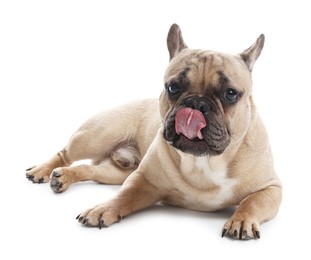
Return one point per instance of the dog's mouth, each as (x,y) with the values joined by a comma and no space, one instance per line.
(189,122)
(191,131)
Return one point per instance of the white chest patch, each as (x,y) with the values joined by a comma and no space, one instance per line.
(206,185)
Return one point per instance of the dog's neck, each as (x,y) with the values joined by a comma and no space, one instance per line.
(213,167)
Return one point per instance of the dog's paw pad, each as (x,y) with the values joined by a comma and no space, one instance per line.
(60,180)
(55,183)
(56,174)
(41,180)
(30,177)
(245,235)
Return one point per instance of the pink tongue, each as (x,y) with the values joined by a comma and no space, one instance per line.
(189,122)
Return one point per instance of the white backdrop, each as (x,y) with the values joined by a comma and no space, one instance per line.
(63,61)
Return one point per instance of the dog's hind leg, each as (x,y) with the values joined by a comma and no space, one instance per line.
(112,170)
(84,144)
(95,140)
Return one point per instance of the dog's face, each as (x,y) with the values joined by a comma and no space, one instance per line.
(206,102)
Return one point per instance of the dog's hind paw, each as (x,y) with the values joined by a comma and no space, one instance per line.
(60,181)
(38,174)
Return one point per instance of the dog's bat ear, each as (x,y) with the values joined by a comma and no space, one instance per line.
(251,54)
(175,42)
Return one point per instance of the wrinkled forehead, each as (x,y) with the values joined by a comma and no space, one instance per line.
(203,68)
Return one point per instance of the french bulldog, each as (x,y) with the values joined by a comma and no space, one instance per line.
(201,145)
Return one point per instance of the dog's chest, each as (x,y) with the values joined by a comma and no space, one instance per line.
(204,184)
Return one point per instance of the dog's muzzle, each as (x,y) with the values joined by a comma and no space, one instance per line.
(197,127)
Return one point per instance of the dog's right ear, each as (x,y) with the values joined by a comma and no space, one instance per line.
(175,42)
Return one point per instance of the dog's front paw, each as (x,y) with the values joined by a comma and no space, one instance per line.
(100,216)
(38,174)
(241,227)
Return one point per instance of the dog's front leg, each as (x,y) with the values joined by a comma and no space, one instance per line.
(253,210)
(135,194)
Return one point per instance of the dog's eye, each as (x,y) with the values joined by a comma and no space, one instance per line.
(230,95)
(174,89)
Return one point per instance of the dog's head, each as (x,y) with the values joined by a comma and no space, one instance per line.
(206,102)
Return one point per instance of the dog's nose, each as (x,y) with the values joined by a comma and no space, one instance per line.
(198,103)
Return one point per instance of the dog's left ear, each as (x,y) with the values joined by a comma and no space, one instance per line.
(251,54)
(175,42)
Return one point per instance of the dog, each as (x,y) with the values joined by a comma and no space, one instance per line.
(201,145)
